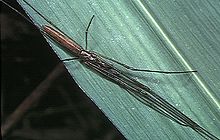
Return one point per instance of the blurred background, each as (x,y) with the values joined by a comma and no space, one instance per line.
(30,67)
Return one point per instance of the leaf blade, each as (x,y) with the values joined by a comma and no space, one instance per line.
(128,38)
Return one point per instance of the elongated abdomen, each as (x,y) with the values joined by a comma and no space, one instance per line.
(62,39)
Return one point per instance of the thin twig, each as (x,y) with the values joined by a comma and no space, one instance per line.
(37,93)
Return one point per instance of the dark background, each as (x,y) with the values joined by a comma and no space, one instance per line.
(64,112)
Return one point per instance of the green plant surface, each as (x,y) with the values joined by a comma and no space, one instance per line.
(158,35)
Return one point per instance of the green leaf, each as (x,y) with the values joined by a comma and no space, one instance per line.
(158,35)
